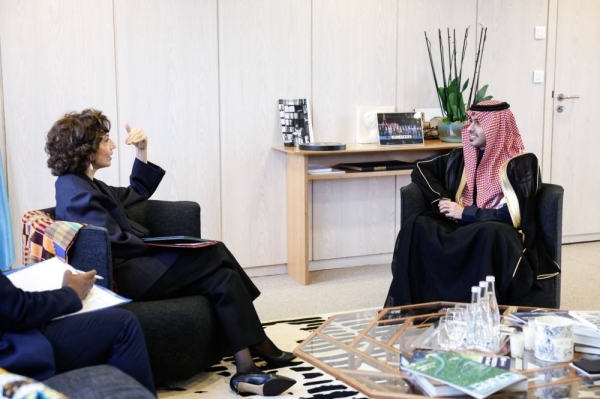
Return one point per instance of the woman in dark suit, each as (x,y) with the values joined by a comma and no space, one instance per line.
(78,145)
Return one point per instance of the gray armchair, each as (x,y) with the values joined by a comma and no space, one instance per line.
(550,204)
(182,334)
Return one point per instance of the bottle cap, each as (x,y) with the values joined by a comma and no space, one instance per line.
(482,284)
(490,278)
(475,288)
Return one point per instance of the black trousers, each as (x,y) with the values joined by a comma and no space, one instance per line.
(213,272)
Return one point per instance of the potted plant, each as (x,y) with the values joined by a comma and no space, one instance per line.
(450,92)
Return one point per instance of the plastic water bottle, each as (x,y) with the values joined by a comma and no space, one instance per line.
(494,312)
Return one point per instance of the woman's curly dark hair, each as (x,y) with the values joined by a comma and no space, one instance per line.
(74,139)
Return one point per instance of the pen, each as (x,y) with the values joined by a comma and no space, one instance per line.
(75,271)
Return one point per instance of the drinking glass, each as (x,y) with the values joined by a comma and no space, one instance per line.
(458,326)
(457,330)
(443,338)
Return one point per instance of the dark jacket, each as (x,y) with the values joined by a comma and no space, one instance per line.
(136,266)
(23,349)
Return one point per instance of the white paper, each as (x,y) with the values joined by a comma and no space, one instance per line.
(48,275)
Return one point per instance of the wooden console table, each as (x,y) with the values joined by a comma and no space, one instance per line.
(297,188)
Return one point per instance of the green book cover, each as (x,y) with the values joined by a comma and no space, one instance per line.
(469,376)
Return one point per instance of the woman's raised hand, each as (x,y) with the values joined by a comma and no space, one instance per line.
(136,136)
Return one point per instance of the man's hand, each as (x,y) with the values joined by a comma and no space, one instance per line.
(450,209)
(80,283)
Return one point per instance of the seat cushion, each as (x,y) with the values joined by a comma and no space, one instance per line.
(182,336)
(98,382)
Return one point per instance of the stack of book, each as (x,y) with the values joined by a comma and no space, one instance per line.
(586,333)
(586,326)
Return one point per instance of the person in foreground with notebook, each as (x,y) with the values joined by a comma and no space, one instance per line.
(482,218)
(35,345)
(78,145)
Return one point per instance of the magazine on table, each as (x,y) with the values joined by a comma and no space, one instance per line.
(438,388)
(466,375)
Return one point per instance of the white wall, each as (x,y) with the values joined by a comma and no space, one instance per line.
(203,77)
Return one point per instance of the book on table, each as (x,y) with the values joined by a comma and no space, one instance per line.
(588,367)
(437,388)
(468,376)
(590,349)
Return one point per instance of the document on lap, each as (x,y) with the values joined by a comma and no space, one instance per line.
(48,275)
(178,241)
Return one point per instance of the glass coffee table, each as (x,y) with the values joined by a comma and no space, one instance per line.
(363,349)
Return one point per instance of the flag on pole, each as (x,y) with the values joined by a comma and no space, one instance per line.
(7,248)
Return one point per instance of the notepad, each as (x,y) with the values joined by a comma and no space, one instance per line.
(48,275)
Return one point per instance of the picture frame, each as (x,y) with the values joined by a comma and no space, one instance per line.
(296,122)
(400,128)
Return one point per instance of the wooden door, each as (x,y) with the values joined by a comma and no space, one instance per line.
(575,139)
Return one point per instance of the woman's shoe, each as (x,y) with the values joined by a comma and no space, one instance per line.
(260,383)
(276,361)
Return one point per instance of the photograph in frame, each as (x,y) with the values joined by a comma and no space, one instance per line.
(296,122)
(400,128)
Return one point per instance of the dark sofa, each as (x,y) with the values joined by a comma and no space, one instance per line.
(182,334)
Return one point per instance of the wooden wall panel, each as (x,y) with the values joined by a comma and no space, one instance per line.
(416,88)
(511,56)
(354,63)
(354,58)
(57,56)
(265,55)
(167,77)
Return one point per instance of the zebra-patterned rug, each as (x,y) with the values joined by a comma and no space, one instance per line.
(287,334)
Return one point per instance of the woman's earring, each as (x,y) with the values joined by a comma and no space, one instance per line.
(91,167)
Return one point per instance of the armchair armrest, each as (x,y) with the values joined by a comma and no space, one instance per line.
(167,218)
(91,251)
(411,201)
(550,205)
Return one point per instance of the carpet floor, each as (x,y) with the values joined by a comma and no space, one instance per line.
(287,334)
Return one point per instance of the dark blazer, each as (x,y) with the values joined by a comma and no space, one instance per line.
(136,266)
(23,349)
